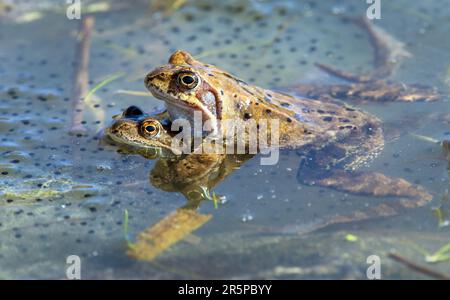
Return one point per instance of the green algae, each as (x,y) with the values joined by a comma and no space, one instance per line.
(49,190)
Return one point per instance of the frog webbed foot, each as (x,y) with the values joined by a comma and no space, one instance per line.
(405,194)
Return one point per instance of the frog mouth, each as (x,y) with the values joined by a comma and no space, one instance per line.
(127,146)
(208,114)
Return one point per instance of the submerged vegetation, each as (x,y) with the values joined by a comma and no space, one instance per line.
(159,237)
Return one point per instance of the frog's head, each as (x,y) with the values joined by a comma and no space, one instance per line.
(139,131)
(188,85)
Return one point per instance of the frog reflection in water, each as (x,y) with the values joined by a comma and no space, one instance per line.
(194,175)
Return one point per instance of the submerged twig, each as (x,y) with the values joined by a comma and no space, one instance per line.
(81,75)
(418,268)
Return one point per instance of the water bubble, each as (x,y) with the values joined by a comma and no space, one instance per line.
(103,167)
(223,199)
(338,10)
(247,217)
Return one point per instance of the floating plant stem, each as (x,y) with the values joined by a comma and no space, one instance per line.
(125,229)
(215,200)
(29,17)
(425,138)
(81,77)
(418,268)
(132,93)
(441,216)
(443,254)
(167,7)
(177,4)
(103,83)
(96,7)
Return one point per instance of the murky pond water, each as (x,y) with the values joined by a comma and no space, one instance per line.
(63,194)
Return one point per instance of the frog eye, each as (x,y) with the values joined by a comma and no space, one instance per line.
(151,128)
(187,80)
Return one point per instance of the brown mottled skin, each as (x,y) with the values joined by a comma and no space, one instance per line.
(219,96)
(302,122)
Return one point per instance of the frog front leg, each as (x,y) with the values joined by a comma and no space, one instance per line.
(405,194)
(195,175)
(388,53)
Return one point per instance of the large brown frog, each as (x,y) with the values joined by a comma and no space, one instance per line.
(332,137)
(188,86)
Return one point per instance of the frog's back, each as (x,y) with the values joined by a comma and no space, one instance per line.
(345,135)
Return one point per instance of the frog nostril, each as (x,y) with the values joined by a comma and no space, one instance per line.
(147,80)
(133,111)
(152,76)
